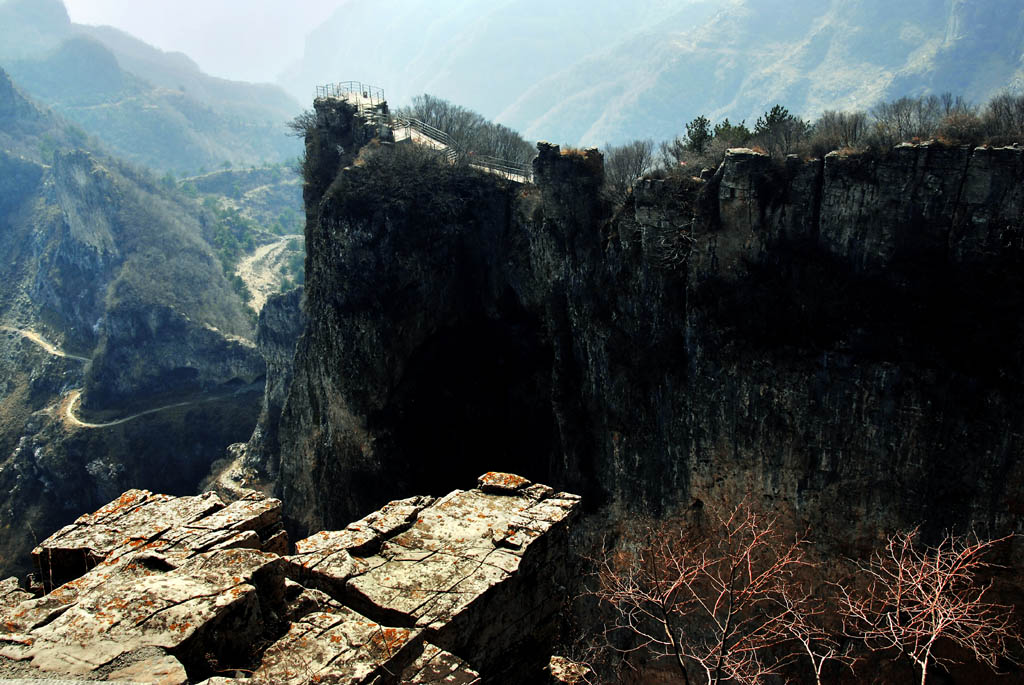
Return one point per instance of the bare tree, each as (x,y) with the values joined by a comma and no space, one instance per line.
(624,164)
(1004,115)
(473,134)
(673,152)
(909,118)
(950,104)
(711,599)
(804,619)
(917,597)
(836,130)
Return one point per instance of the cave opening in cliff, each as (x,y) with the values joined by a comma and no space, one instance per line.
(476,397)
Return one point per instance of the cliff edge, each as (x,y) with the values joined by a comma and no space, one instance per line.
(838,337)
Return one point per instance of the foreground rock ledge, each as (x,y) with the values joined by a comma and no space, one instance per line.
(153,588)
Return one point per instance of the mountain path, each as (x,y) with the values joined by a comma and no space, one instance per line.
(72,399)
(43,343)
(259,270)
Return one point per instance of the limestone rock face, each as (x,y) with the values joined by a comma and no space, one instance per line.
(838,337)
(175,589)
(281,322)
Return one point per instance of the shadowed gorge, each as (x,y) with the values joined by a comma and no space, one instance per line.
(475,393)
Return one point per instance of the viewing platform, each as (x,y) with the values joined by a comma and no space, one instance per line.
(371,104)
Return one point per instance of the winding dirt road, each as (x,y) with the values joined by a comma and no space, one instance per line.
(72,399)
(43,343)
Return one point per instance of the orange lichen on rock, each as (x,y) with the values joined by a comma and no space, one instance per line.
(418,564)
(496,481)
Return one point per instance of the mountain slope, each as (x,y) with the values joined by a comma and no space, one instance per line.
(481,55)
(744,59)
(148,106)
(112,291)
(605,72)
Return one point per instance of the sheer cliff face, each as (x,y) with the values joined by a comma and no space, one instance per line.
(281,322)
(840,337)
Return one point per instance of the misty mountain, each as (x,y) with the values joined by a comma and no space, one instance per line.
(610,72)
(481,55)
(145,104)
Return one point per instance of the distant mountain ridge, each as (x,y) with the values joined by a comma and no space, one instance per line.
(605,72)
(149,106)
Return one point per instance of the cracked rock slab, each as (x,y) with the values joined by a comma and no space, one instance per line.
(435,666)
(458,548)
(336,645)
(175,590)
(141,607)
(473,569)
(173,526)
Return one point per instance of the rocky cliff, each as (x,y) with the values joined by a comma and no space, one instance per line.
(839,337)
(426,590)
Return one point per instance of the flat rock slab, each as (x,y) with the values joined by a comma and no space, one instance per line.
(158,670)
(458,548)
(434,666)
(329,558)
(173,526)
(337,645)
(11,595)
(132,520)
(159,589)
(11,592)
(142,605)
(443,567)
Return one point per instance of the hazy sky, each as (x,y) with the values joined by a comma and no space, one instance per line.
(249,40)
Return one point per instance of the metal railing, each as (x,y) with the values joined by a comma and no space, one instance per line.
(370,103)
(363,95)
(512,170)
(509,169)
(424,128)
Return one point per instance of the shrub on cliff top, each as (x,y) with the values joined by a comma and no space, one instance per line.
(471,132)
(949,118)
(415,179)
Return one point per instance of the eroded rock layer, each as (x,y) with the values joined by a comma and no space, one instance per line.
(182,589)
(837,337)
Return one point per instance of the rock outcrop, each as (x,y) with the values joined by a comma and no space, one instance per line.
(426,590)
(838,337)
(150,352)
